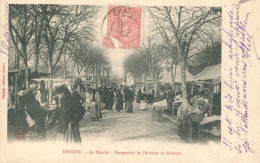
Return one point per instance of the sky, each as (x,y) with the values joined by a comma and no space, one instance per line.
(117,58)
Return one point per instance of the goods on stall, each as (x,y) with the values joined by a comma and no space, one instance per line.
(211,125)
(213,118)
(196,117)
(202,105)
(160,105)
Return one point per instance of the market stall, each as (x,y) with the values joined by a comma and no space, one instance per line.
(211,128)
(167,78)
(206,88)
(211,123)
(212,74)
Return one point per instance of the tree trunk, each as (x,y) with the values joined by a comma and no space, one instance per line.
(192,88)
(156,83)
(108,77)
(210,97)
(36,61)
(37,43)
(17,60)
(27,84)
(37,51)
(99,78)
(183,83)
(77,69)
(146,83)
(156,88)
(65,67)
(93,76)
(50,85)
(16,91)
(174,77)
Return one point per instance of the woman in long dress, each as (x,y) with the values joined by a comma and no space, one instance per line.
(110,99)
(64,110)
(143,99)
(95,112)
(114,104)
(88,99)
(129,97)
(78,111)
(100,91)
(69,112)
(119,101)
(139,95)
(187,122)
(99,104)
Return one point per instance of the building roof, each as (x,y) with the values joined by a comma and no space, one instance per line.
(211,72)
(166,76)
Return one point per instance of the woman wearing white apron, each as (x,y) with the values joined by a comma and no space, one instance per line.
(88,99)
(143,98)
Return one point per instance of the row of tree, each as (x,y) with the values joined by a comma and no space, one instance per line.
(180,35)
(92,61)
(54,35)
(47,32)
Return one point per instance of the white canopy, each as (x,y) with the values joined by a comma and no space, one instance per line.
(166,76)
(211,72)
(56,80)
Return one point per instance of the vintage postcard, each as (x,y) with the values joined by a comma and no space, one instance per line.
(129,81)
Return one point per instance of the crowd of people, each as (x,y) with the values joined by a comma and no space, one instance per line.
(71,102)
(34,114)
(189,112)
(111,98)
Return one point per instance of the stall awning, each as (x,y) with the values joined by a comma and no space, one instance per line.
(17,70)
(166,76)
(56,80)
(211,72)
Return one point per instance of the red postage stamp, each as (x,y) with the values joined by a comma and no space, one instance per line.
(123,28)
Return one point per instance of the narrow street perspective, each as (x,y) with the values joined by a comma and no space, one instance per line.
(116,73)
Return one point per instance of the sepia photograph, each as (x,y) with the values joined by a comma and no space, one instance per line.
(143,73)
(129,81)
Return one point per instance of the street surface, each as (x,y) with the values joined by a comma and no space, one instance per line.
(121,126)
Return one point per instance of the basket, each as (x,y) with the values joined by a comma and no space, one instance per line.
(196,117)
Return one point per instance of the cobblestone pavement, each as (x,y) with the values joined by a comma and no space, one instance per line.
(122,126)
